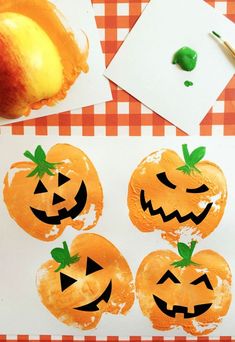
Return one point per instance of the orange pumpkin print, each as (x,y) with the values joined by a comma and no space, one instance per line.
(192,294)
(177,197)
(98,281)
(40,57)
(53,191)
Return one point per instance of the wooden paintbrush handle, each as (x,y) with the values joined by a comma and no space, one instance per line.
(231,49)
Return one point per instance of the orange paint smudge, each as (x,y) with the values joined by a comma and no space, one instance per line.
(185,291)
(154,205)
(72,163)
(87,288)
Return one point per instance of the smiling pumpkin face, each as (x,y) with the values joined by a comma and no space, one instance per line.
(175,198)
(195,296)
(98,280)
(54,191)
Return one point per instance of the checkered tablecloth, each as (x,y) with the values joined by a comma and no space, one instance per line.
(125,115)
(48,338)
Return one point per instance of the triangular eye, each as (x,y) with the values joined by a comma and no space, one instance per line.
(62,179)
(204,279)
(40,188)
(169,275)
(92,266)
(66,281)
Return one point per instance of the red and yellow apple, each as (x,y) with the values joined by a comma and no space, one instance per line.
(39,58)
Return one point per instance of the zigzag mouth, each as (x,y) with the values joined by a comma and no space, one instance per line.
(175,214)
(198,309)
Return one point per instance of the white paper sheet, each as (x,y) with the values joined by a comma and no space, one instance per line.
(143,65)
(91,88)
(21,311)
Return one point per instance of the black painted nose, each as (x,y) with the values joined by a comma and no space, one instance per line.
(57,199)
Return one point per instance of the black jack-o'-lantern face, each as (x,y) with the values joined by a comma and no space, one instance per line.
(53,191)
(91,267)
(199,309)
(63,213)
(173,196)
(196,219)
(93,278)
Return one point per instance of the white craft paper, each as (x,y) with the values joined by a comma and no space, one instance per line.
(143,65)
(21,311)
(91,88)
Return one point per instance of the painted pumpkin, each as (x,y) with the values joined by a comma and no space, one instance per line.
(98,280)
(53,191)
(176,197)
(39,57)
(194,295)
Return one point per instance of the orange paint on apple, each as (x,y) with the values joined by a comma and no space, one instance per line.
(37,29)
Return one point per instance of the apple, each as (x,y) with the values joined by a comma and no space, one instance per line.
(31,69)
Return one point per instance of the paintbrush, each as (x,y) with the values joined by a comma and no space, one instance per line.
(226,44)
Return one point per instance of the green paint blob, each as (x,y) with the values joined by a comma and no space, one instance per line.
(188,84)
(186,58)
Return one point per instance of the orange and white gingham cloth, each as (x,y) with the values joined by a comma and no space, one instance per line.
(125,115)
(48,338)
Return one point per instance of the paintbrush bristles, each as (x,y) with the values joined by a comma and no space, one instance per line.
(226,44)
(216,34)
